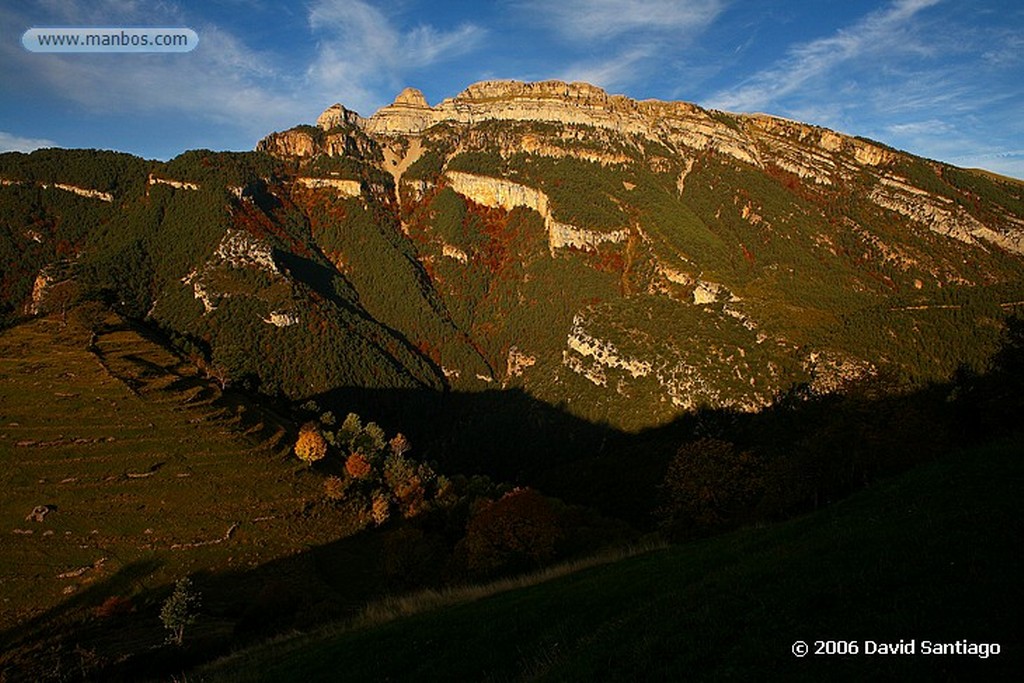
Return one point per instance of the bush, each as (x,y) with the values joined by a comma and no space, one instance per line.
(518,532)
(334,488)
(357,466)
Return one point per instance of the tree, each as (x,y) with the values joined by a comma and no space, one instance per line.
(357,466)
(312,445)
(709,484)
(517,532)
(181,609)
(399,445)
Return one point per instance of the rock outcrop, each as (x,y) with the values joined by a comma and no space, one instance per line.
(176,184)
(941,214)
(336,116)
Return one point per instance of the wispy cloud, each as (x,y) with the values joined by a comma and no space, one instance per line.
(359,57)
(15,143)
(361,49)
(588,20)
(633,38)
(223,80)
(615,71)
(884,32)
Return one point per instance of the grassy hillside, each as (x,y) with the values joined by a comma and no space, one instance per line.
(931,555)
(148,472)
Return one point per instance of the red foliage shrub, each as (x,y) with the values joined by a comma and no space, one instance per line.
(357,466)
(709,484)
(114,606)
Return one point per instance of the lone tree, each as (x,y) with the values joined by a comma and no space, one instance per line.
(180,609)
(311,445)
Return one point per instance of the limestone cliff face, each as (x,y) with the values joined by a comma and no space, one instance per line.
(504,194)
(815,155)
(336,116)
(66,187)
(338,133)
(753,139)
(564,103)
(943,215)
(344,188)
(237,250)
(290,143)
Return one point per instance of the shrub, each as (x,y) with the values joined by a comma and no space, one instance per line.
(400,445)
(515,533)
(114,606)
(334,488)
(381,508)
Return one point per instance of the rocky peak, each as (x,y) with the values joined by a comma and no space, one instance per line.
(409,114)
(335,116)
(411,97)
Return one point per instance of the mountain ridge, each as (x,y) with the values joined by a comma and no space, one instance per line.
(629,259)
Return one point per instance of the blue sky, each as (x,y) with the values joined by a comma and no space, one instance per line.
(939,78)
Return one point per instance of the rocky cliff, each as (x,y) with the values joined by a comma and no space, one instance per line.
(680,256)
(812,154)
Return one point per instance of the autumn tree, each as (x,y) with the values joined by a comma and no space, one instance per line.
(357,466)
(399,445)
(334,488)
(381,508)
(311,445)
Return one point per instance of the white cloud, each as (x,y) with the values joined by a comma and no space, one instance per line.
(361,50)
(634,39)
(223,80)
(602,19)
(360,57)
(883,32)
(14,143)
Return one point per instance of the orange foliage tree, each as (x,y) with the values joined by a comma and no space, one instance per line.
(311,445)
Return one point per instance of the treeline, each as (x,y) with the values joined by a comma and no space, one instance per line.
(123,175)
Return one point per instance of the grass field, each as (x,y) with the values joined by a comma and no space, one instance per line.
(147,471)
(931,555)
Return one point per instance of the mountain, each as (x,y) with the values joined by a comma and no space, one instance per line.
(635,318)
(626,261)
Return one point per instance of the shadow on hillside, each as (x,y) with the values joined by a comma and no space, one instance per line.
(817,448)
(44,631)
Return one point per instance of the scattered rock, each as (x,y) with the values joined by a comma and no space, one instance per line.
(39,513)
